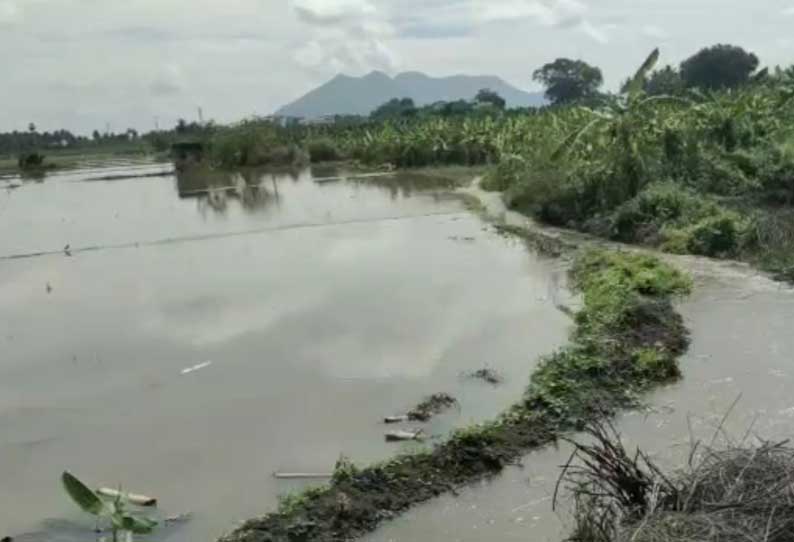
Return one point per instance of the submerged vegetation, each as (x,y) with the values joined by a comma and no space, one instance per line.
(626,340)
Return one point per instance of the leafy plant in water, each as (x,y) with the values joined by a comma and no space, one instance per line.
(121,520)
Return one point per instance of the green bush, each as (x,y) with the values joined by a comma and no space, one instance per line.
(509,172)
(655,365)
(548,194)
(716,236)
(776,174)
(254,144)
(675,241)
(720,235)
(30,160)
(659,206)
(322,150)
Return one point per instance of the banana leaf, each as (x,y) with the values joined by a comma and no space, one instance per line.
(84,497)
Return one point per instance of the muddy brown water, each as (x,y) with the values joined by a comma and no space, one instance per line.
(199,334)
(738,376)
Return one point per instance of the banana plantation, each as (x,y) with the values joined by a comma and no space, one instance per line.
(702,172)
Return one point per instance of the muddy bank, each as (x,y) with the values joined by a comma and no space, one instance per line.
(627,340)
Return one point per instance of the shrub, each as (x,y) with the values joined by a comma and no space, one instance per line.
(660,206)
(716,236)
(508,173)
(776,174)
(254,143)
(31,160)
(720,235)
(769,242)
(548,194)
(675,241)
(725,174)
(654,365)
(322,150)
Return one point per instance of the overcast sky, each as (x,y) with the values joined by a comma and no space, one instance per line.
(80,64)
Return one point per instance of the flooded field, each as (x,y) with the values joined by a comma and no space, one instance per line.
(737,375)
(187,337)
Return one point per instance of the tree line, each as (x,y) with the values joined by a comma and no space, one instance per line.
(718,67)
(567,81)
(24,142)
(486,99)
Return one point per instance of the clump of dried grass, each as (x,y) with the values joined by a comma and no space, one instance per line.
(737,493)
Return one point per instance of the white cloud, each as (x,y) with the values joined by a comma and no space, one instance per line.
(81,63)
(591,30)
(546,12)
(9,12)
(561,14)
(347,36)
(331,56)
(170,80)
(332,11)
(653,31)
(516,9)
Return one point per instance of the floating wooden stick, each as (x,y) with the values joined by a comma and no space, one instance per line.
(395,436)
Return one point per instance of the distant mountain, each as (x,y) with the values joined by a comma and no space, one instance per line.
(345,95)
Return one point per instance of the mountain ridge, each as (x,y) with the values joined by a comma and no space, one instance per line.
(349,95)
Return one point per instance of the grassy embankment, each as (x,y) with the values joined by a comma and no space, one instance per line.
(626,340)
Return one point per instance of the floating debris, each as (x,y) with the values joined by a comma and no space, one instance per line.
(397,436)
(179,518)
(435,404)
(132,498)
(48,288)
(487,375)
(195,368)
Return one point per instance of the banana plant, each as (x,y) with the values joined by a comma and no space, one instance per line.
(625,130)
(121,521)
